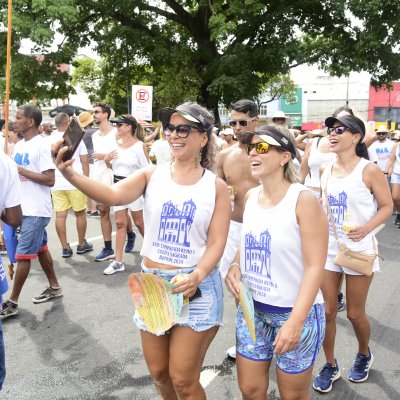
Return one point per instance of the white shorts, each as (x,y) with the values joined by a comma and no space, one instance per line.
(395,178)
(136,205)
(231,247)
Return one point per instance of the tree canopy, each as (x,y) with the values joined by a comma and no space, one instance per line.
(212,51)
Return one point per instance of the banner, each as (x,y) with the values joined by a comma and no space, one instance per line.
(142,102)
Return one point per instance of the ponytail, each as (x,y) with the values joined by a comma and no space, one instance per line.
(361,150)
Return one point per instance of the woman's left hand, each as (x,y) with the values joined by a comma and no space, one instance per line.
(186,283)
(358,233)
(58,150)
(288,337)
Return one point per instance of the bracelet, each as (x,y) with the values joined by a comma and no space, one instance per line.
(234,264)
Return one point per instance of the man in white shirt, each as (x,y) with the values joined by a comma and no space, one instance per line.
(66,196)
(104,142)
(11,214)
(36,173)
(379,151)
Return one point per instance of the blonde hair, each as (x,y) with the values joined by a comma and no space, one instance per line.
(289,169)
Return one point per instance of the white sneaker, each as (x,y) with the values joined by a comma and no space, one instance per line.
(115,266)
(231,352)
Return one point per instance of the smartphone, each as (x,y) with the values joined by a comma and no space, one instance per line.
(72,137)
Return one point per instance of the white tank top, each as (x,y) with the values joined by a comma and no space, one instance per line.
(396,166)
(177,218)
(315,160)
(129,160)
(271,257)
(348,195)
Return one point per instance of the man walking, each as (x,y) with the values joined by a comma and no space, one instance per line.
(66,196)
(104,142)
(36,172)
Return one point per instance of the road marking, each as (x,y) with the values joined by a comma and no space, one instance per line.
(92,239)
(207,376)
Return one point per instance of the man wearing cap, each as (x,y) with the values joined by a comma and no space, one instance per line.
(228,135)
(104,142)
(233,166)
(66,196)
(379,151)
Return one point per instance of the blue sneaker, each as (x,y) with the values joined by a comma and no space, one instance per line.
(105,254)
(324,381)
(130,243)
(360,369)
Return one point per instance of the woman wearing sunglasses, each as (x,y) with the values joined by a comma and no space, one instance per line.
(281,259)
(354,187)
(130,156)
(186,214)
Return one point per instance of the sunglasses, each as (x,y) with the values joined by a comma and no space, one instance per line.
(97,112)
(242,122)
(182,130)
(261,147)
(382,134)
(338,130)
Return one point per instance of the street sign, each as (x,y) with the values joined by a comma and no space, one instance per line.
(142,102)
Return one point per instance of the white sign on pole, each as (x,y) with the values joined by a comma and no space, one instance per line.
(142,102)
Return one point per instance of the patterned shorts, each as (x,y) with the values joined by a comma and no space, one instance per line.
(267,326)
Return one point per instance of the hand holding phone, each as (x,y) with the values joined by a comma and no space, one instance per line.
(72,137)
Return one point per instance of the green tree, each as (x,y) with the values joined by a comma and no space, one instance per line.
(217,51)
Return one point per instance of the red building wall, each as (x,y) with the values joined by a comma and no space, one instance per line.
(381,101)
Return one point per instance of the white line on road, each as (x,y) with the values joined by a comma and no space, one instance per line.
(91,239)
(207,376)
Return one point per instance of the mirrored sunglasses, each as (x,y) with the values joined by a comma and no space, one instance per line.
(261,147)
(337,129)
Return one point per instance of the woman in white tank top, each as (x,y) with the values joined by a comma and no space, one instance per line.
(186,215)
(130,156)
(281,261)
(356,186)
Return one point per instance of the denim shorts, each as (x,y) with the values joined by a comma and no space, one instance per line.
(205,311)
(33,237)
(267,326)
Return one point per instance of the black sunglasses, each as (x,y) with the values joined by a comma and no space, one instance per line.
(338,130)
(182,130)
(242,122)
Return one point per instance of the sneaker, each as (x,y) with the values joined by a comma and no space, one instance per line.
(95,214)
(67,252)
(84,248)
(9,309)
(360,370)
(340,302)
(48,294)
(324,381)
(105,254)
(397,220)
(130,243)
(88,212)
(231,352)
(115,266)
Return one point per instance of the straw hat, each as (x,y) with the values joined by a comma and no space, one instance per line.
(382,129)
(85,118)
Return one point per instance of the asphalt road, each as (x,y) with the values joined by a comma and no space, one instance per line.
(85,345)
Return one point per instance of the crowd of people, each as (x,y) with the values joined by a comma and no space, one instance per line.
(250,204)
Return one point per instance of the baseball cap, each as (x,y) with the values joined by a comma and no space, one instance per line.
(192,112)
